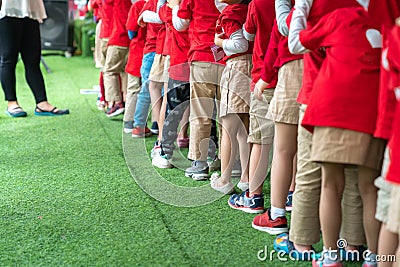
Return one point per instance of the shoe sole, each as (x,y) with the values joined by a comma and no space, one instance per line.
(142,135)
(197,177)
(116,113)
(288,209)
(247,210)
(161,166)
(127,130)
(269,230)
(154,131)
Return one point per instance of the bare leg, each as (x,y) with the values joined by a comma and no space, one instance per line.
(183,133)
(330,209)
(293,184)
(388,243)
(368,192)
(155,95)
(161,117)
(282,164)
(258,167)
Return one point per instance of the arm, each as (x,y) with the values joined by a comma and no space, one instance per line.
(234,45)
(297,24)
(179,24)
(282,10)
(151,17)
(249,27)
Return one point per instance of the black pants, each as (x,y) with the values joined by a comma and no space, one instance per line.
(21,36)
(178,99)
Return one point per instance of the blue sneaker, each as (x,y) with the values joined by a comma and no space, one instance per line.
(247,204)
(282,243)
(289,201)
(352,255)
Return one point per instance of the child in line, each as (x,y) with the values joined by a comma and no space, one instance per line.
(235,94)
(200,17)
(258,28)
(389,182)
(178,94)
(138,37)
(342,115)
(114,68)
(284,111)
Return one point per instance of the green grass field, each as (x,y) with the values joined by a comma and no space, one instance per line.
(68,198)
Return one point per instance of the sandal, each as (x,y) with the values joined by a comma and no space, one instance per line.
(225,189)
(284,245)
(53,112)
(16,112)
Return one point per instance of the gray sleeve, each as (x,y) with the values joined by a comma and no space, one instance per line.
(282,10)
(297,24)
(235,44)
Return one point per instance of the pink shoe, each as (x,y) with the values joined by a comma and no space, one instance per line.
(318,263)
(183,142)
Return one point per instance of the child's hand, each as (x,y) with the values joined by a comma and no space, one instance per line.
(140,21)
(172,3)
(218,40)
(259,88)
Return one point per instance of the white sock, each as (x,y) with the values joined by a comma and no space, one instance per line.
(277,212)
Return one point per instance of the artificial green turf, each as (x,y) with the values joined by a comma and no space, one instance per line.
(67,197)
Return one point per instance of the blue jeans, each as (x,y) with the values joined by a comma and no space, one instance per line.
(143,100)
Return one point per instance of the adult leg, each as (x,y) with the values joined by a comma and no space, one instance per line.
(11,36)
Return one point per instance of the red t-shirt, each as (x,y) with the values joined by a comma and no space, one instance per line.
(136,46)
(346,89)
(179,47)
(119,34)
(152,29)
(203,15)
(231,20)
(260,20)
(278,54)
(165,14)
(393,174)
(313,60)
(106,11)
(384,13)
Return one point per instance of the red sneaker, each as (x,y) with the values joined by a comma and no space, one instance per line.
(264,223)
(139,132)
(318,263)
(116,110)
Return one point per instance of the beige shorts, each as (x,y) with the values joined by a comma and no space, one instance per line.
(384,191)
(393,224)
(261,130)
(159,69)
(284,107)
(235,86)
(103,51)
(336,145)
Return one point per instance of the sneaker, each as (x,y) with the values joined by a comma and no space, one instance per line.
(116,110)
(243,186)
(289,201)
(161,161)
(128,126)
(264,223)
(156,149)
(254,204)
(214,164)
(319,263)
(283,244)
(101,105)
(225,189)
(154,128)
(369,259)
(351,255)
(237,169)
(139,132)
(198,171)
(369,264)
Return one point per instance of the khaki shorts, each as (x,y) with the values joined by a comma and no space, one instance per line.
(159,69)
(103,51)
(336,145)
(384,191)
(284,107)
(261,130)
(393,224)
(235,86)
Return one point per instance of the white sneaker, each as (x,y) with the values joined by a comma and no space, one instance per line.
(161,161)
(225,189)
(155,150)
(243,186)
